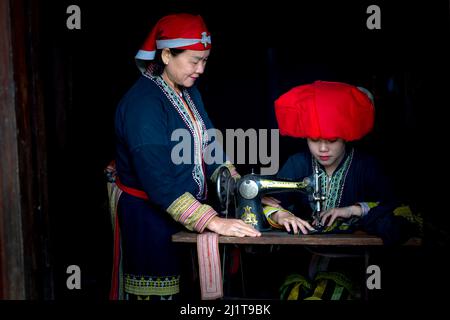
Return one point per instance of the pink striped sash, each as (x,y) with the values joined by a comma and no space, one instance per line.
(209,266)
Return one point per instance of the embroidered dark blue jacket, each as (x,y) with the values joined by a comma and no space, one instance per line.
(145,121)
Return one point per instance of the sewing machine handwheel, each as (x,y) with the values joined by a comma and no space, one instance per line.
(225,188)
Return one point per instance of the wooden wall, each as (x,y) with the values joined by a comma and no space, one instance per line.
(24,262)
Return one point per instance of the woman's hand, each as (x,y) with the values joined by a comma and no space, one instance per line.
(288,220)
(232,227)
(333,214)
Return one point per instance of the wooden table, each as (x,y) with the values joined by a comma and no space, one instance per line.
(283,238)
(359,241)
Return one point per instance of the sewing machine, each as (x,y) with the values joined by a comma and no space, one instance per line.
(248,191)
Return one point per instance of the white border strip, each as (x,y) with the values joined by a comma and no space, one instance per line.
(145,55)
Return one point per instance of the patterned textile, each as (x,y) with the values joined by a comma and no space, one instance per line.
(415,218)
(333,286)
(295,287)
(209,266)
(143,285)
(324,286)
(114,193)
(191,213)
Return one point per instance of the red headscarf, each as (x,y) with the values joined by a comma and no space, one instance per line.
(181,31)
(325,110)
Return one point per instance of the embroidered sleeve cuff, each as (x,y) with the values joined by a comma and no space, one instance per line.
(268,211)
(365,208)
(191,213)
(230,167)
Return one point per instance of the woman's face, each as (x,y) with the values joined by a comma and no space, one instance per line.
(328,153)
(184,68)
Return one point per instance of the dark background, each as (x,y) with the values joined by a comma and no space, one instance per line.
(260,50)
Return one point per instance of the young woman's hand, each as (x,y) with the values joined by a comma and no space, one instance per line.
(288,220)
(232,227)
(345,212)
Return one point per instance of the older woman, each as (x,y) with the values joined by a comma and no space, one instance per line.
(160,196)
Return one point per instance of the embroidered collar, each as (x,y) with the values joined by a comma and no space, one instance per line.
(333,186)
(200,136)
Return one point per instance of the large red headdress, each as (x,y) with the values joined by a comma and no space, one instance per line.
(325,110)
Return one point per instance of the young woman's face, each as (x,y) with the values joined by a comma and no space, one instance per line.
(184,68)
(328,153)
